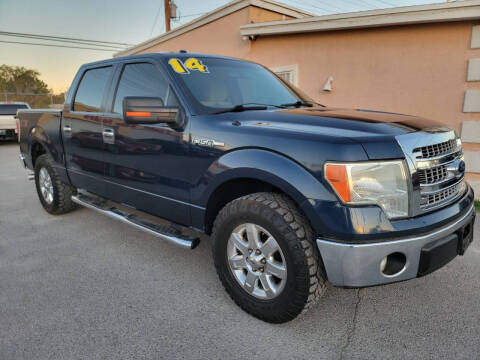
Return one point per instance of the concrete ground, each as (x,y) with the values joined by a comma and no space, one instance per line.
(85,286)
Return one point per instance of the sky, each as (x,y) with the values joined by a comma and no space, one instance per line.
(123,21)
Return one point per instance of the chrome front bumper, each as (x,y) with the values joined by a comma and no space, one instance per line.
(359,265)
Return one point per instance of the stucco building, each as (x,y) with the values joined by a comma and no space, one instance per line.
(421,60)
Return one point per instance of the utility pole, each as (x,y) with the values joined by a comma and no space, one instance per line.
(167,15)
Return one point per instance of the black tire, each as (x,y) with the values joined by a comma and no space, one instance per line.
(62,193)
(277,214)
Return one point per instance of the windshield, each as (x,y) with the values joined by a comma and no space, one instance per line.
(214,84)
(11,109)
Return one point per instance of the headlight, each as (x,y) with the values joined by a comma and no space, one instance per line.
(382,183)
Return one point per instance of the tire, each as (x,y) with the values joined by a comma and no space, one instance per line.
(276,216)
(60,201)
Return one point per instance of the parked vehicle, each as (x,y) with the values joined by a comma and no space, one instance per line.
(8,122)
(293,193)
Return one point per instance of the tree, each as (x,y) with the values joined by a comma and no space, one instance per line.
(19,79)
(16,81)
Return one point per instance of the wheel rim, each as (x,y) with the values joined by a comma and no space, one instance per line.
(46,186)
(256,261)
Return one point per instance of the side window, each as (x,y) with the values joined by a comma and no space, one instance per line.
(141,79)
(91,89)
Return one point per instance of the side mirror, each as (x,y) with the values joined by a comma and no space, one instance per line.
(147,110)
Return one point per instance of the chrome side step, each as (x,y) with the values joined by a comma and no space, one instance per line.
(170,234)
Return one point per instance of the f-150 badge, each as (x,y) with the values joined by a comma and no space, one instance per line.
(207,142)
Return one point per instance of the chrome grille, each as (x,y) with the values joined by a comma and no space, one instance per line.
(435,161)
(434,150)
(432,200)
(433,175)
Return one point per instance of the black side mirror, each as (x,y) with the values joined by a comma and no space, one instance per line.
(147,110)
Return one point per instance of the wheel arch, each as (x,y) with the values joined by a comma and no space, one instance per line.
(243,172)
(36,150)
(41,143)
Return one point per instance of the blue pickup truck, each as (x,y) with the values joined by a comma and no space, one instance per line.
(293,193)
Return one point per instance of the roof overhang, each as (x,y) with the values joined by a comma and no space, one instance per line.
(218,13)
(420,14)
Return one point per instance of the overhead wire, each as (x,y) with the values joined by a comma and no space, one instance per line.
(66,41)
(60,46)
(9,33)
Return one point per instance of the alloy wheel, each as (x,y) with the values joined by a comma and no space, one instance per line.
(256,261)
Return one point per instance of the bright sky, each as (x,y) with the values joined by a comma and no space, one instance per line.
(115,20)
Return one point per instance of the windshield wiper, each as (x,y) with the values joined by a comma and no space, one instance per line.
(241,107)
(297,104)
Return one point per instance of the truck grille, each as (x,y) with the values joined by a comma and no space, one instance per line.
(435,161)
(433,200)
(435,150)
(438,185)
(433,175)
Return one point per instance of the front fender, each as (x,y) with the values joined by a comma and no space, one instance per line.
(273,168)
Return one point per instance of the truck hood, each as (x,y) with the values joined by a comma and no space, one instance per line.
(374,130)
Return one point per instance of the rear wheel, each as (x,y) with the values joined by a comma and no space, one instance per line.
(55,196)
(264,254)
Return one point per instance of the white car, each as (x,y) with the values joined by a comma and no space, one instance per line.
(8,121)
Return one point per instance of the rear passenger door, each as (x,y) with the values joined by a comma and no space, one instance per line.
(82,128)
(148,163)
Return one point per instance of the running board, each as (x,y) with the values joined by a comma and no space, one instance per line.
(170,234)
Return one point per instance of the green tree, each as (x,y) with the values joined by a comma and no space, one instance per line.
(19,79)
(16,81)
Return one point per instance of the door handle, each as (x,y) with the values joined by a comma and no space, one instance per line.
(67,131)
(108,132)
(108,136)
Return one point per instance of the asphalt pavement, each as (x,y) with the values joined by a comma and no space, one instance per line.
(83,286)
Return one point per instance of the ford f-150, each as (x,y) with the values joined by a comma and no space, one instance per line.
(293,193)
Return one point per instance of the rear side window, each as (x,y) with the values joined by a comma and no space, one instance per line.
(142,79)
(91,89)
(11,109)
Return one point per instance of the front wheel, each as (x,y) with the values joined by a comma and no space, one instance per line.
(264,254)
(55,196)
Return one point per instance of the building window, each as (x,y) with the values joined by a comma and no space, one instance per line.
(288,73)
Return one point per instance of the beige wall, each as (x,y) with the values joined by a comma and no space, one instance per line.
(258,15)
(220,37)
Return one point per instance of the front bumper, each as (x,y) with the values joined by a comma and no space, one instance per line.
(359,265)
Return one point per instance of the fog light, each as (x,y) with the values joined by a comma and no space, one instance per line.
(393,264)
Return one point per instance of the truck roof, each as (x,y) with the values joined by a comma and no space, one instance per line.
(157,55)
